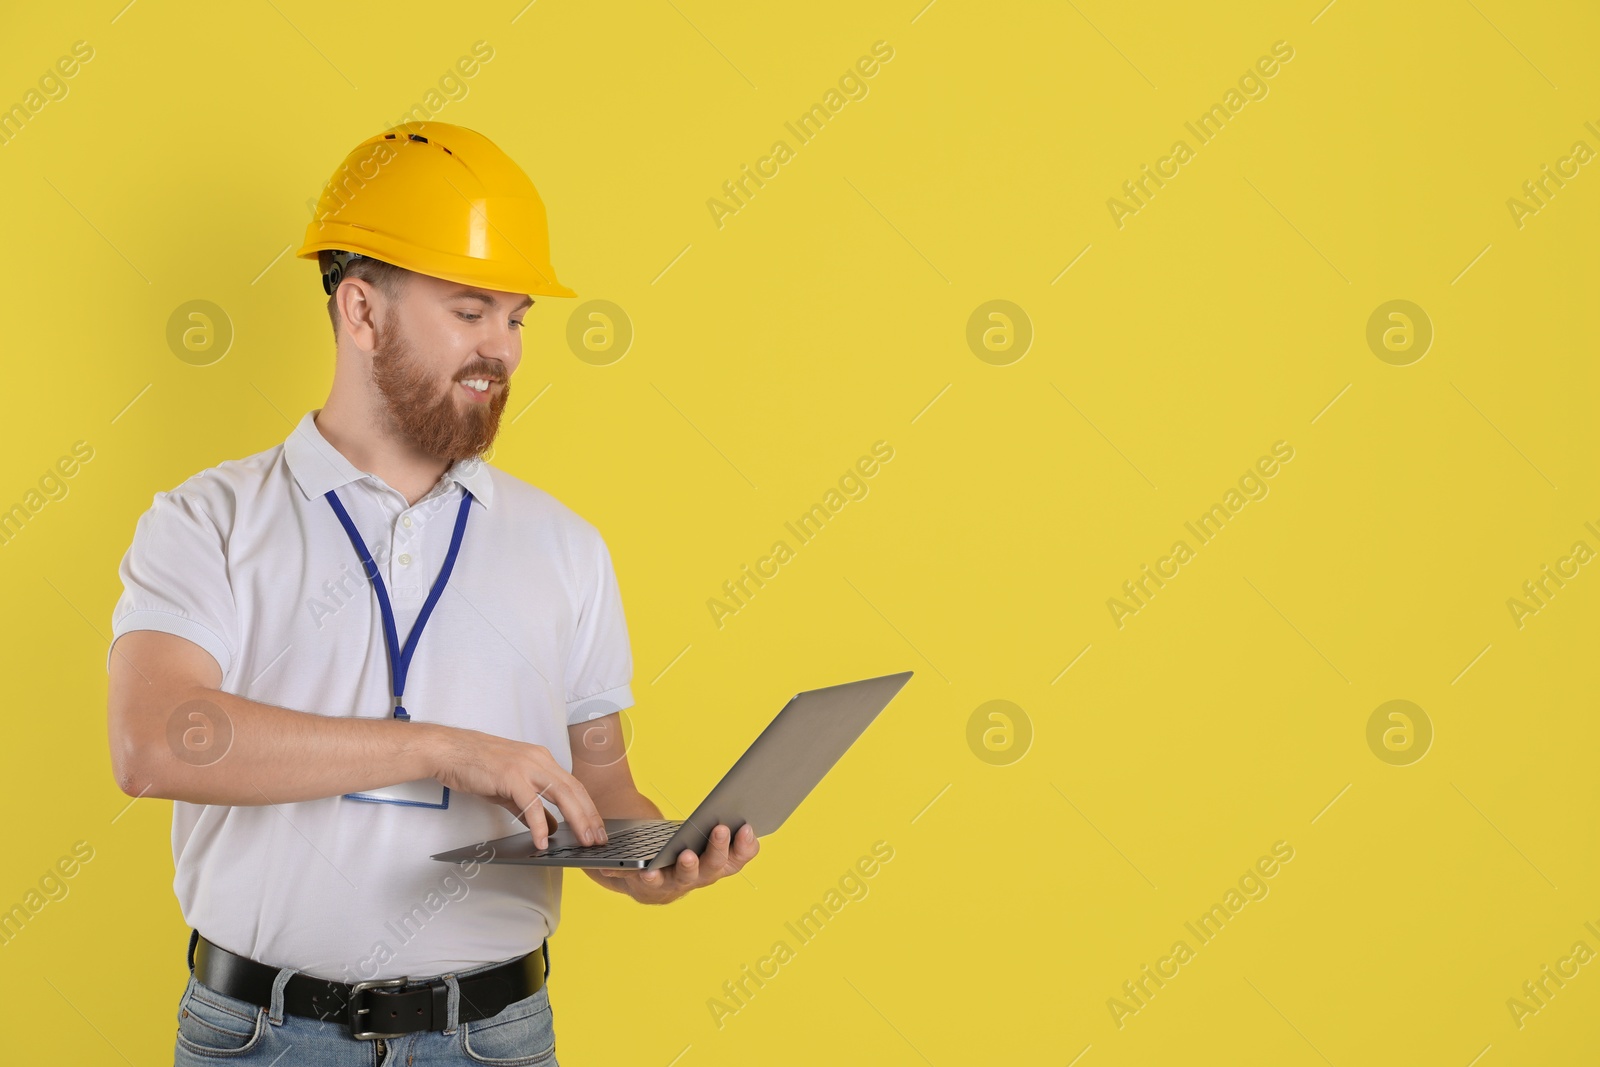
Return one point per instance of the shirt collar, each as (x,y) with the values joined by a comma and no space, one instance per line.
(318,467)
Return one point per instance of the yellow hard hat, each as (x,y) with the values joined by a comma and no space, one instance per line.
(440,200)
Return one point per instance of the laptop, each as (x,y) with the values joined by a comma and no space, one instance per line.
(779,770)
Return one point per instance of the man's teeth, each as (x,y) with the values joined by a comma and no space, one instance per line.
(480,384)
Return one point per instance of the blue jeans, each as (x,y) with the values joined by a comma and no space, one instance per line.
(215,1028)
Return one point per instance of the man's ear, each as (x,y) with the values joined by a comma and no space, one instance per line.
(358,312)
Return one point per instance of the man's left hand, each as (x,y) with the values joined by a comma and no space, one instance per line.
(722,857)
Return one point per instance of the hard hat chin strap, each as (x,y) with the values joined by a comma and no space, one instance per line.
(336,261)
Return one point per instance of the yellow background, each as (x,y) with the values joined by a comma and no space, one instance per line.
(828,314)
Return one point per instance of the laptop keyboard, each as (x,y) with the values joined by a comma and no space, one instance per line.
(633,843)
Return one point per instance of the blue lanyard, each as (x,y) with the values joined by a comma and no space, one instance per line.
(399,667)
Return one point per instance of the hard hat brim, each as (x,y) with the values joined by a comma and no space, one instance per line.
(524,278)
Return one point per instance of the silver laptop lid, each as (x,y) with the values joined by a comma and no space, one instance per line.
(785,763)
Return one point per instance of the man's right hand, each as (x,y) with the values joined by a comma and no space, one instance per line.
(515,775)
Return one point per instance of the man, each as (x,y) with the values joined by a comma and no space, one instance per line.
(365,645)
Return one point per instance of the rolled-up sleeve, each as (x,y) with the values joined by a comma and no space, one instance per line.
(600,669)
(175,579)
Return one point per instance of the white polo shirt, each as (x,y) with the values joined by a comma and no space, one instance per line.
(248,560)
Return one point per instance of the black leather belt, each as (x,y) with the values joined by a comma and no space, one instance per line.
(383,1008)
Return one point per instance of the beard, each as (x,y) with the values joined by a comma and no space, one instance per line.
(436,421)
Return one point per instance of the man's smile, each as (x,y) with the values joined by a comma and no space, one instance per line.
(479,389)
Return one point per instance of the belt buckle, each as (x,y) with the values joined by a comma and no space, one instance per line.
(355,1011)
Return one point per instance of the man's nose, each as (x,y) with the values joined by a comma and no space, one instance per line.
(504,346)
(497,359)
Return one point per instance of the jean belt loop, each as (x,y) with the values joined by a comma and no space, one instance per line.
(275,1010)
(194,939)
(453,1003)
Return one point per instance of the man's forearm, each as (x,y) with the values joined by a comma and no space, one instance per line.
(631,804)
(271,755)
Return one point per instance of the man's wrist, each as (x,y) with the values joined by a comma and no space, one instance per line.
(617,884)
(421,749)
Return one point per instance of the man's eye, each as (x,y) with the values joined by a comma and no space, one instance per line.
(471,316)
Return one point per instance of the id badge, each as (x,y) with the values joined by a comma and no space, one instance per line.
(422,793)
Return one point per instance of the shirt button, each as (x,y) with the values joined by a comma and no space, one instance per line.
(405,559)
(405,520)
